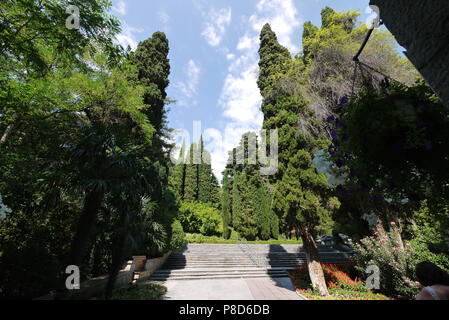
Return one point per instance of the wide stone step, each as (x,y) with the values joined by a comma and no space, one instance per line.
(182,278)
(163,275)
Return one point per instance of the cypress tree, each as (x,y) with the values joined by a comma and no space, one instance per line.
(191,175)
(153,65)
(236,200)
(326,17)
(204,175)
(272,55)
(309,32)
(301,198)
(263,211)
(179,172)
(226,206)
(215,192)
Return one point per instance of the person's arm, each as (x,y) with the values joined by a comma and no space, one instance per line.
(425,294)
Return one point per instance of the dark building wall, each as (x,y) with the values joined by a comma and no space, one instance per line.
(422,27)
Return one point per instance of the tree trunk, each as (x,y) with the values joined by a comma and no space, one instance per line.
(313,261)
(118,256)
(8,130)
(80,243)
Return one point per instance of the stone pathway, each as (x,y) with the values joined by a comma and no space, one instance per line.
(228,272)
(231,289)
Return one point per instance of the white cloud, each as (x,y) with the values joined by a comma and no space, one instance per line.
(240,97)
(215,26)
(127,36)
(163,17)
(188,88)
(282,15)
(120,8)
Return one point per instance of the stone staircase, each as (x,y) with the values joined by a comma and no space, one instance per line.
(227,261)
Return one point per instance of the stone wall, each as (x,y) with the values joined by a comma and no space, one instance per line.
(422,27)
(96,286)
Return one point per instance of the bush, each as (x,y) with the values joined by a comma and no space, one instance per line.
(394,260)
(177,236)
(234,235)
(197,217)
(429,238)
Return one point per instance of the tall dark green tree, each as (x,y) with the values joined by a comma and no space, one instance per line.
(151,59)
(204,175)
(300,199)
(250,207)
(226,206)
(191,176)
(179,172)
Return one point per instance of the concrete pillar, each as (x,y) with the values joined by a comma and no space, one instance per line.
(422,27)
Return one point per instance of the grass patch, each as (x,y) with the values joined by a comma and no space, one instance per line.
(151,291)
(198,238)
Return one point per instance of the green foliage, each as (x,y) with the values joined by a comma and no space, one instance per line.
(197,217)
(82,130)
(197,181)
(151,58)
(226,206)
(40,40)
(271,54)
(429,235)
(250,200)
(303,197)
(179,172)
(204,175)
(387,251)
(393,141)
(177,239)
(199,238)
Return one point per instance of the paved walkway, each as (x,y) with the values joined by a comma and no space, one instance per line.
(231,289)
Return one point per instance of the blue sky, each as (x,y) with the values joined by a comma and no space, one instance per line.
(213,57)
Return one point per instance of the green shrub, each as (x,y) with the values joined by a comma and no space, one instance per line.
(234,235)
(197,217)
(430,235)
(394,260)
(177,236)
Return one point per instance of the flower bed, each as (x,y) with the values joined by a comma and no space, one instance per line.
(340,284)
